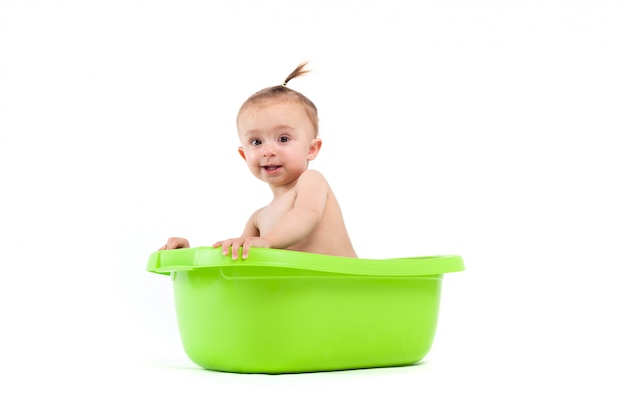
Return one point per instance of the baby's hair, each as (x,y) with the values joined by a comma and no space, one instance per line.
(296,73)
(282,92)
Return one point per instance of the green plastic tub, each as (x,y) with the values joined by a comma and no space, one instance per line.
(282,311)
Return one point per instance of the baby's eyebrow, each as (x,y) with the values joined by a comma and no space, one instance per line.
(283,127)
(254,132)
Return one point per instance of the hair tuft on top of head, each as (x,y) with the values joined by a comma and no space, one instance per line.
(296,73)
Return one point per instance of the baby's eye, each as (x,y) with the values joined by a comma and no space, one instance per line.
(255,142)
(284,139)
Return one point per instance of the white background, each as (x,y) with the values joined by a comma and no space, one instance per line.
(488,129)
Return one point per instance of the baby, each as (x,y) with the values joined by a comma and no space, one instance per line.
(278,130)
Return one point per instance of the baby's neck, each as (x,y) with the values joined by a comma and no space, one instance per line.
(281,190)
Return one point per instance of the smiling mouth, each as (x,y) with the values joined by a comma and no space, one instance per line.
(271,168)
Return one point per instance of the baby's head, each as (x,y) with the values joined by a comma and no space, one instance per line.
(277,128)
(282,93)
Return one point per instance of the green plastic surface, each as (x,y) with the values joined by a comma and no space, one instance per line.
(282,311)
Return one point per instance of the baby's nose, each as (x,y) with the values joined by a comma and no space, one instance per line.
(268,150)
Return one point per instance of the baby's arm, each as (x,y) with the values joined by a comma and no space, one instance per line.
(306,214)
(295,225)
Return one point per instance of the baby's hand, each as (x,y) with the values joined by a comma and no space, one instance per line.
(241,242)
(175,243)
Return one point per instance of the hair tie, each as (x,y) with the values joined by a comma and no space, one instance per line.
(284,84)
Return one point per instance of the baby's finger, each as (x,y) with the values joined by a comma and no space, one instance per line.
(225,245)
(235,249)
(246,249)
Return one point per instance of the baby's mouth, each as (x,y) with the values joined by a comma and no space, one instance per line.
(271,168)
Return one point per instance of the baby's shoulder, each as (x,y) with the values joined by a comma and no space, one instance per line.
(311,176)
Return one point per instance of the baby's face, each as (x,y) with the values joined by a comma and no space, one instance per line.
(277,141)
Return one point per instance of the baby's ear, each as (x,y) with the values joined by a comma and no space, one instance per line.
(316,145)
(241,152)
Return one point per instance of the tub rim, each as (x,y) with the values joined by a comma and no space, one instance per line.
(167,261)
